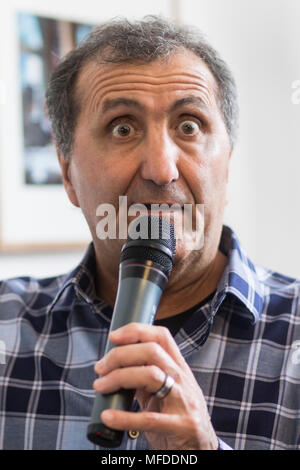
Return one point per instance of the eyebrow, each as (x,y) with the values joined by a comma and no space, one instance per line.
(130,103)
(114,103)
(196,100)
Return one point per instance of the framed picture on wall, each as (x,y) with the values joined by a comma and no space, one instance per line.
(42,41)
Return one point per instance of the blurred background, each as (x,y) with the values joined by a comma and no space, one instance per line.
(41,234)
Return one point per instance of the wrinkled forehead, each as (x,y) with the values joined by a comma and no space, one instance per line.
(182,72)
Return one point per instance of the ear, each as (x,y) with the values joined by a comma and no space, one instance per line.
(228,165)
(67,180)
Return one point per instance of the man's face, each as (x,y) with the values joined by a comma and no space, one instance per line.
(153,133)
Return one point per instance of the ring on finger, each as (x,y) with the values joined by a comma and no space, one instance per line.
(166,387)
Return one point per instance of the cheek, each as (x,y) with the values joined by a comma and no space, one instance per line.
(101,181)
(207,175)
(217,158)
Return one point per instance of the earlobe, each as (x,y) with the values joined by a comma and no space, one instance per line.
(67,179)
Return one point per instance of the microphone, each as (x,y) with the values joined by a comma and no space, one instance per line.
(145,266)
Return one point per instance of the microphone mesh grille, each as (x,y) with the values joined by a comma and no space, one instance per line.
(158,231)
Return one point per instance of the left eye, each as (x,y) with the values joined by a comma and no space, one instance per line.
(189,127)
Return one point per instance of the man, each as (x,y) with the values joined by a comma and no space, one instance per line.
(148,110)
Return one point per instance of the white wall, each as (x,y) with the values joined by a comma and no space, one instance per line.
(38,264)
(260,39)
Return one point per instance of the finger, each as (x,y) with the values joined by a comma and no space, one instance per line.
(141,354)
(149,379)
(160,423)
(189,432)
(138,332)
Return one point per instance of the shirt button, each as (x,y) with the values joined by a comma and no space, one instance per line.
(133,434)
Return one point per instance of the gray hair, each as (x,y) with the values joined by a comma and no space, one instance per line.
(141,41)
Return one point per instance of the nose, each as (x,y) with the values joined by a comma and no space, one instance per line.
(159,159)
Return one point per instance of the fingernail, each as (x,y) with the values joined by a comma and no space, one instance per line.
(98,365)
(115,332)
(114,335)
(99,383)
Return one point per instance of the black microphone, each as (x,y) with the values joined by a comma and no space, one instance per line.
(145,266)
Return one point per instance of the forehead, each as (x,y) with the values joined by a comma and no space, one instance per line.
(183,72)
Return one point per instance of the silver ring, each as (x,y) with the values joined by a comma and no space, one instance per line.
(166,387)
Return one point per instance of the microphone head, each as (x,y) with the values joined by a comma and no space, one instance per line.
(151,238)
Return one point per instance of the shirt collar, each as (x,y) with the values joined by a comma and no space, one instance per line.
(82,280)
(239,279)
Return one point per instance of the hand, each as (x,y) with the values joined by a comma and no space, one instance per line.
(143,356)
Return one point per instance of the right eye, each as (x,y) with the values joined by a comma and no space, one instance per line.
(122,130)
(189,127)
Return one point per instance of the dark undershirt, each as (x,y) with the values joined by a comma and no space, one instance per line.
(175,322)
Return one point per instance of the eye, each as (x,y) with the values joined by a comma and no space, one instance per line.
(189,127)
(122,130)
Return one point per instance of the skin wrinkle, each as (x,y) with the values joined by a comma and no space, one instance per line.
(165,78)
(94,102)
(110,104)
(193,81)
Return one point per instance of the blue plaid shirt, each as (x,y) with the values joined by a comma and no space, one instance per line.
(243,347)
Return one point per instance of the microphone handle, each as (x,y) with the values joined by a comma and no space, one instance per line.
(137,301)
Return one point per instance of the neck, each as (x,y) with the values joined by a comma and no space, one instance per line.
(183,290)
(181,296)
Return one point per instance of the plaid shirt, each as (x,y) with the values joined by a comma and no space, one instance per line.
(243,347)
